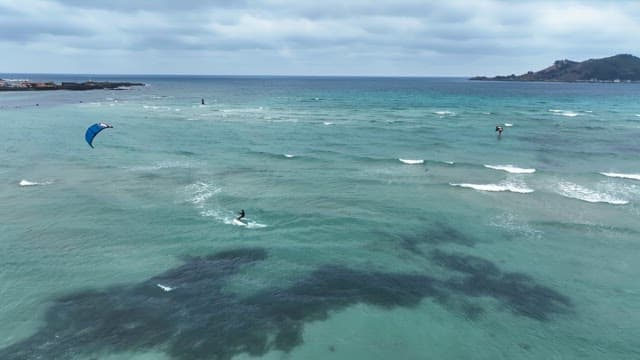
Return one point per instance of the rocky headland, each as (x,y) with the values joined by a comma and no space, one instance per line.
(618,68)
(9,85)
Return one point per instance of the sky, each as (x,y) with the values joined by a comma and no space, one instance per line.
(310,37)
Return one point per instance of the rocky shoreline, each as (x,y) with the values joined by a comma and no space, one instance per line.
(6,85)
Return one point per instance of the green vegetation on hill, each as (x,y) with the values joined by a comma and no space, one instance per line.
(623,67)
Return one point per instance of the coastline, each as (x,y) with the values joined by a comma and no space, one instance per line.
(49,86)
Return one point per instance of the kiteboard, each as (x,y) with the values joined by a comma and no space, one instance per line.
(239,223)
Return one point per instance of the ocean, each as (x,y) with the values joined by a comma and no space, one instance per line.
(385,219)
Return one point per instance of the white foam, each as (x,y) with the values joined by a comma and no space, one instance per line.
(243,110)
(638,115)
(623,176)
(200,192)
(249,224)
(444,113)
(289,155)
(575,191)
(34,183)
(412,162)
(496,187)
(511,169)
(162,165)
(165,288)
(508,124)
(563,112)
(228,218)
(27,183)
(327,123)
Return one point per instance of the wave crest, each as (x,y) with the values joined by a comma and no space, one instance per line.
(575,191)
(411,162)
(623,176)
(496,187)
(34,183)
(511,169)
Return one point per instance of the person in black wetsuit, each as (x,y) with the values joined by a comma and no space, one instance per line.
(240,215)
(499,130)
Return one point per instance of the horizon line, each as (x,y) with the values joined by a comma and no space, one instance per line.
(237,75)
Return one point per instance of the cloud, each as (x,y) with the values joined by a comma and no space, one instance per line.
(320,34)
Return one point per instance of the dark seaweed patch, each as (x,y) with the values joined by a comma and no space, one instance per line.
(439,233)
(199,320)
(520,293)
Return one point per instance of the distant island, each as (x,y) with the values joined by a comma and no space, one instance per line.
(618,68)
(25,85)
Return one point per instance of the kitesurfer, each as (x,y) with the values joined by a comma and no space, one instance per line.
(240,215)
(202,101)
(499,129)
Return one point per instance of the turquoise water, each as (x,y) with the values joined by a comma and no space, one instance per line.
(523,246)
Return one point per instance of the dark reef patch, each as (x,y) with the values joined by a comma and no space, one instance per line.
(439,233)
(519,292)
(198,319)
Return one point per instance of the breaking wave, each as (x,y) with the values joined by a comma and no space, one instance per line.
(411,162)
(622,176)
(575,191)
(496,187)
(34,183)
(511,169)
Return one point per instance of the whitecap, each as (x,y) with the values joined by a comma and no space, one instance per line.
(444,112)
(511,169)
(289,155)
(327,123)
(638,115)
(575,191)
(412,162)
(165,288)
(563,112)
(496,187)
(27,183)
(33,183)
(508,125)
(623,176)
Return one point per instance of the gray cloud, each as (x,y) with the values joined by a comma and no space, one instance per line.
(402,34)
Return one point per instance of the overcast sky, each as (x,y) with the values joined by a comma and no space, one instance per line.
(310,37)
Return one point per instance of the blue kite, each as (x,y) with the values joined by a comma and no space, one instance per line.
(93,130)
